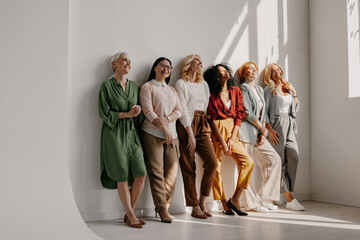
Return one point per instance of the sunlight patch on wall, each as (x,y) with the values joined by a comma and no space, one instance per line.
(285,22)
(240,53)
(233,32)
(353,47)
(268,33)
(286,68)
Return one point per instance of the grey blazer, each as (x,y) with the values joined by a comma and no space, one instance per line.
(272,108)
(247,131)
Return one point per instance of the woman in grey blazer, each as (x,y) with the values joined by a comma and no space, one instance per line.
(281,105)
(252,134)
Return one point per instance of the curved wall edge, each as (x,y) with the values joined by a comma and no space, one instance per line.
(36,197)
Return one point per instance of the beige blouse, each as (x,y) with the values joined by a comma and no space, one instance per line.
(159,100)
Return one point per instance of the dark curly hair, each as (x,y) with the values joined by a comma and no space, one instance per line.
(152,72)
(212,77)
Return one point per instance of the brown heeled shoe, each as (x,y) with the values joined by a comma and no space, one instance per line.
(201,216)
(206,212)
(140,220)
(134,225)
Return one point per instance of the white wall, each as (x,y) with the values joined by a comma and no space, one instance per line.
(334,118)
(52,63)
(232,31)
(36,199)
(50,117)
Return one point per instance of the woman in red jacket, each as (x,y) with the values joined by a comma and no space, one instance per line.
(226,110)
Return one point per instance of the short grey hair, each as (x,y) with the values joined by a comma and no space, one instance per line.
(114,58)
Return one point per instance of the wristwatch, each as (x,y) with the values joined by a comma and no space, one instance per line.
(168,118)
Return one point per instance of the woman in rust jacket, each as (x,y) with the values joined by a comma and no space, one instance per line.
(226,111)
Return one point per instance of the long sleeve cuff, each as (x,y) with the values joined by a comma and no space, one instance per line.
(179,113)
(151,116)
(251,117)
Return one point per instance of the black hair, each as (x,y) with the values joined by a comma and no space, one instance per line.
(152,72)
(212,77)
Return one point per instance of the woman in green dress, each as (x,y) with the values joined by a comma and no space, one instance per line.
(122,160)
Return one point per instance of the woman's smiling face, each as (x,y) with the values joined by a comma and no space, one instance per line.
(276,74)
(163,69)
(223,72)
(122,64)
(251,73)
(196,64)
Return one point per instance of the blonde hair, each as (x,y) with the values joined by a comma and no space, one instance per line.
(243,69)
(185,69)
(270,82)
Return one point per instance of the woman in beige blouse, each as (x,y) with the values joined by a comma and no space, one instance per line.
(161,107)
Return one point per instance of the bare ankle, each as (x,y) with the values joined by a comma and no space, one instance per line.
(235,202)
(289,196)
(196,208)
(202,202)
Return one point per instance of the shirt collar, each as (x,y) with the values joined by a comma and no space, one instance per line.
(159,83)
(127,81)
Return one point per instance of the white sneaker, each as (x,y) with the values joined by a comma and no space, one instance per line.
(295,205)
(260,209)
(270,206)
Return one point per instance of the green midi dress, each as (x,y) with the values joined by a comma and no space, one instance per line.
(121,154)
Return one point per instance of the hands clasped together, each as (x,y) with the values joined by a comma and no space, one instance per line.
(162,122)
(135,111)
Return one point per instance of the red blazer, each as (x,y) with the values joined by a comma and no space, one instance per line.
(217,109)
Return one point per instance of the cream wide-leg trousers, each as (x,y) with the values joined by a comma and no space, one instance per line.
(269,163)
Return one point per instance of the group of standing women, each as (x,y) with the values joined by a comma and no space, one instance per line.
(141,135)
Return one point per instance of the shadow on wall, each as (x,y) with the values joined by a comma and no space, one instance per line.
(248,23)
(238,41)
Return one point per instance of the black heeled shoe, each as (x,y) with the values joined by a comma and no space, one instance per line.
(230,205)
(228,212)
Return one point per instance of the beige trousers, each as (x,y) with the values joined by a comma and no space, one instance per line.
(162,162)
(269,163)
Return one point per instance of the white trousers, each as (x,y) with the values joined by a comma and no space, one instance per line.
(269,162)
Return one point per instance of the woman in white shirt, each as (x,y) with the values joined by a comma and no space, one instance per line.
(194,134)
(161,107)
(281,105)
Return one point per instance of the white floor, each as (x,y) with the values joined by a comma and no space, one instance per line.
(319,221)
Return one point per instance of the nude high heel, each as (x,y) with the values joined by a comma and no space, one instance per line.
(164,220)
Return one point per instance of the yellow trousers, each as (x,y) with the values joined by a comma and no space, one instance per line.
(244,162)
